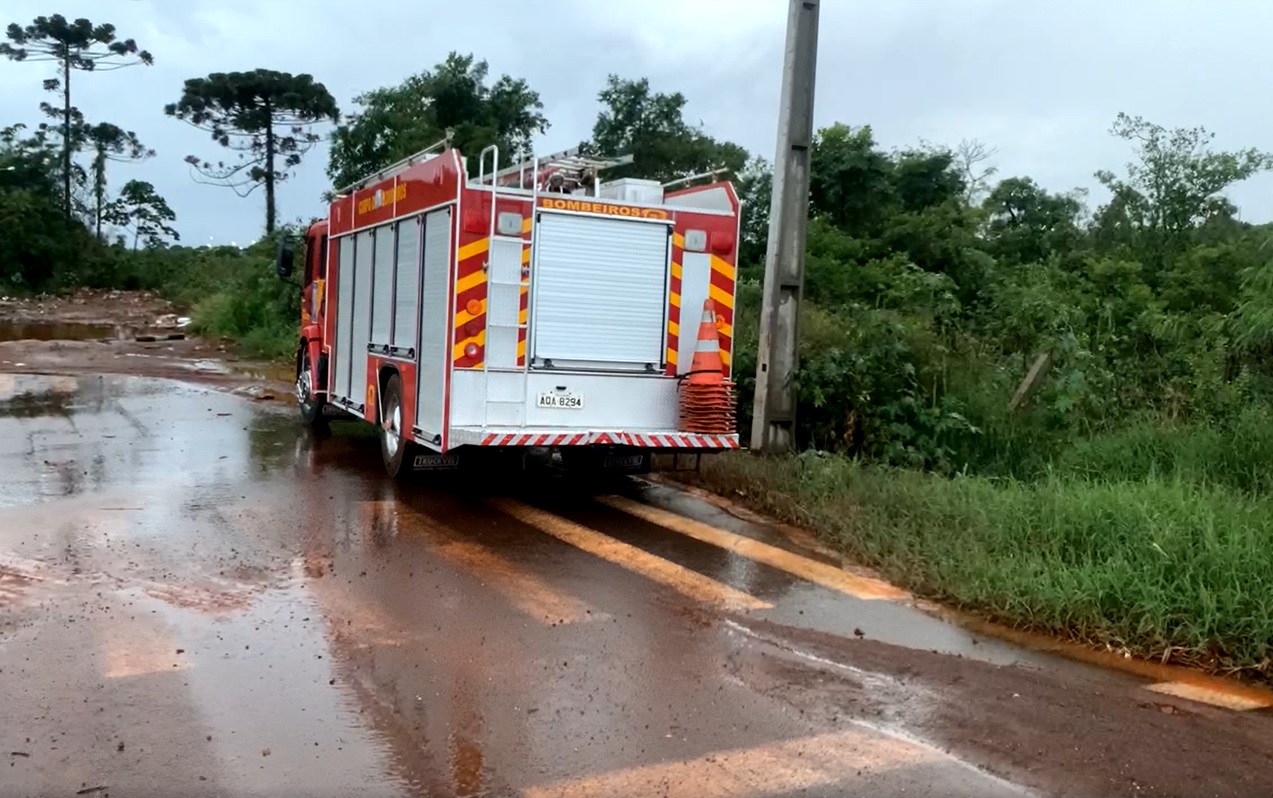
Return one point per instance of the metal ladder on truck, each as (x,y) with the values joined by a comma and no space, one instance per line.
(506,279)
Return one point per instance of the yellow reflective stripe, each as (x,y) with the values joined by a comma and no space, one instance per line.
(476,248)
(724,267)
(678,240)
(720,297)
(676,270)
(470,281)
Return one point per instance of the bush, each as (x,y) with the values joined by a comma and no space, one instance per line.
(250,305)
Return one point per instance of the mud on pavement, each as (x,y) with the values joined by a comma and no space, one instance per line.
(123,332)
(198,597)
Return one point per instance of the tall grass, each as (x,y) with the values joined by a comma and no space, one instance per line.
(1236,453)
(1158,566)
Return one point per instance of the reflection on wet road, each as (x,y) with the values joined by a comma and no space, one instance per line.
(197,597)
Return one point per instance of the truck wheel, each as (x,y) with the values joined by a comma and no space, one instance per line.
(393,444)
(311,404)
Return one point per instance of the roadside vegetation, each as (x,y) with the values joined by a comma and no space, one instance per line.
(1121,496)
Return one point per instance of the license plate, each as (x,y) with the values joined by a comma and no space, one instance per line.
(624,461)
(567,401)
(435,462)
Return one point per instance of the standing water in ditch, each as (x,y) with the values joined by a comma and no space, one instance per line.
(54,331)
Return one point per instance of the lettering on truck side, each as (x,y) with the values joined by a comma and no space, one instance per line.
(381,198)
(603,208)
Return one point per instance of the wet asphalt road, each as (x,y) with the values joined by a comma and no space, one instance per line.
(199,597)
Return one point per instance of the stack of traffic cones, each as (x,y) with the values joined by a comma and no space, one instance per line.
(707,399)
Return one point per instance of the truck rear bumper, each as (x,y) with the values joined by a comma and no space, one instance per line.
(642,439)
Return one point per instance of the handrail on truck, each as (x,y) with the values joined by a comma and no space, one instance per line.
(428,153)
(699,176)
(481,165)
(493,149)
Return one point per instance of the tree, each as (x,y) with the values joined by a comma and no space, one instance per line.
(851,180)
(139,208)
(78,45)
(265,117)
(651,127)
(1027,224)
(110,143)
(971,157)
(755,191)
(398,121)
(34,239)
(1175,185)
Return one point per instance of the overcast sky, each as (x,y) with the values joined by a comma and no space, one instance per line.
(1041,80)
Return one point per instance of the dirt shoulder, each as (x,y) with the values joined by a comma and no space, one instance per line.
(134,333)
(89,307)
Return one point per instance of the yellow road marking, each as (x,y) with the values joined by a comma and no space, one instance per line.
(1212,695)
(820,573)
(139,649)
(530,594)
(665,572)
(785,767)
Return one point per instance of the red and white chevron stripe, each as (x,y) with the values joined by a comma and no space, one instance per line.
(536,439)
(678,440)
(652,440)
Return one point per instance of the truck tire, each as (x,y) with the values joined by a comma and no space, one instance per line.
(311,404)
(394,447)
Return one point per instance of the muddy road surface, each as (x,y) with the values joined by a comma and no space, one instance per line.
(200,598)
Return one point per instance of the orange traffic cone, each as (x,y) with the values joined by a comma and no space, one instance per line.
(707,368)
(706,398)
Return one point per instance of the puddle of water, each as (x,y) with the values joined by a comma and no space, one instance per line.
(31,396)
(207,366)
(54,331)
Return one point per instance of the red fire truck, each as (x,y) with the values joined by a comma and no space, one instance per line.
(533,307)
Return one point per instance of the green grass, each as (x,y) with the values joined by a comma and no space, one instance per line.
(1158,566)
(1235,454)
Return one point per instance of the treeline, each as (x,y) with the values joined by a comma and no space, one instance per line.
(954,320)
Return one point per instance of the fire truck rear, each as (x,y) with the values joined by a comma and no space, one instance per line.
(530,308)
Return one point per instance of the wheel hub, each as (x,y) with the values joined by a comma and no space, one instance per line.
(393,428)
(303,387)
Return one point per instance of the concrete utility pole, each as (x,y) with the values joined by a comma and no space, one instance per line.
(773,428)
